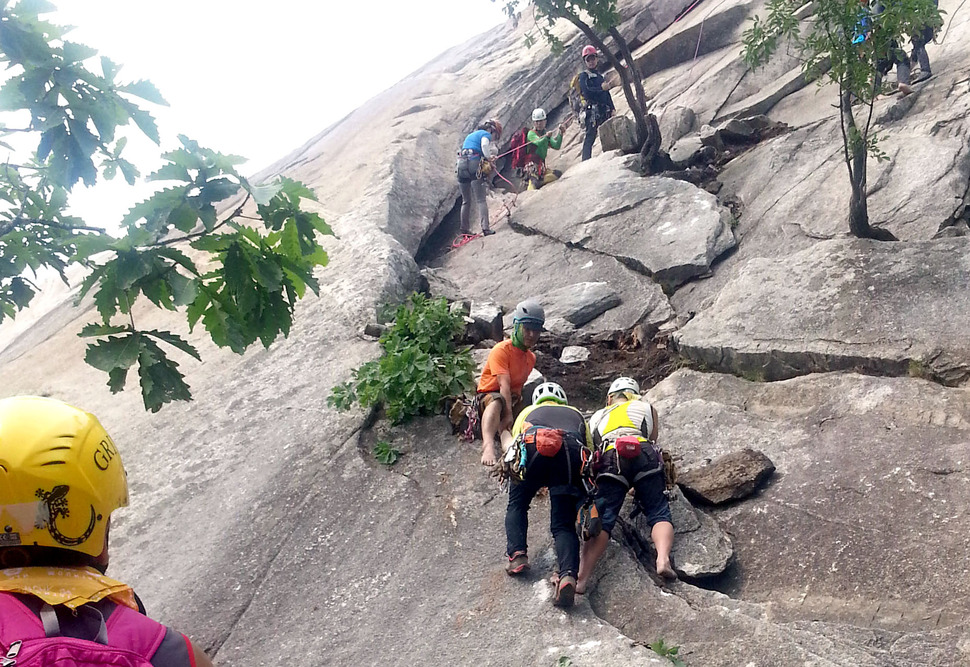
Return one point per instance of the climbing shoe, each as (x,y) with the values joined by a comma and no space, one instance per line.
(588,522)
(488,232)
(518,563)
(565,591)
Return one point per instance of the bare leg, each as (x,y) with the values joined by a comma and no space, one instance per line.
(592,551)
(507,440)
(662,535)
(491,419)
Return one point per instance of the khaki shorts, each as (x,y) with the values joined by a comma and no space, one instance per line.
(485,399)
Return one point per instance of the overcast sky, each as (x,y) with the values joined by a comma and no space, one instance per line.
(259,79)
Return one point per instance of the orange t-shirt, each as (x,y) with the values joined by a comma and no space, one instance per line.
(506,359)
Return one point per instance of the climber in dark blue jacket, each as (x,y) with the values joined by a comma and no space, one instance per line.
(599,103)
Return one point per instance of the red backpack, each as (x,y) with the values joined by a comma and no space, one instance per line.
(128,639)
(522,150)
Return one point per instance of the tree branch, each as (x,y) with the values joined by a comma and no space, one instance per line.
(202,232)
(7,227)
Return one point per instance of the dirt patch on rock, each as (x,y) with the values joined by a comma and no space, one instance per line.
(586,382)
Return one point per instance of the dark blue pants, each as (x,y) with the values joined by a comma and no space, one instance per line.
(589,140)
(564,498)
(595,116)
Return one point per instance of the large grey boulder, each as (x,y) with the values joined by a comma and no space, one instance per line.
(438,286)
(509,266)
(487,320)
(618,133)
(866,501)
(675,122)
(889,308)
(710,136)
(730,477)
(669,229)
(736,131)
(687,149)
(580,303)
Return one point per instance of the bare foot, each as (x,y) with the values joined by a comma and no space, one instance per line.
(489,456)
(665,570)
(580,587)
(904,89)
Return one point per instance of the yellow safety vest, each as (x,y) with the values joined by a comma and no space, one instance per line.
(630,418)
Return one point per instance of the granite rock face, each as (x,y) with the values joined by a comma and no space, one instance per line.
(841,305)
(259,514)
(870,473)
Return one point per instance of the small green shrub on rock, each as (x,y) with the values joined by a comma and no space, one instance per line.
(420,364)
(386,454)
(661,648)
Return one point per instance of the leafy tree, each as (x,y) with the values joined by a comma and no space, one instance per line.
(245,273)
(848,41)
(593,17)
(420,364)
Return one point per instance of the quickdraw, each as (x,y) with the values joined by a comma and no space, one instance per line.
(471,413)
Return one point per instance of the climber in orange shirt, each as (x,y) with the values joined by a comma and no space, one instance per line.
(506,370)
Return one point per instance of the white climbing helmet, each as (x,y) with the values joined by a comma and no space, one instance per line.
(622,385)
(549,391)
(539,114)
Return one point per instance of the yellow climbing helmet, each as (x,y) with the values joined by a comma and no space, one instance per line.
(61,476)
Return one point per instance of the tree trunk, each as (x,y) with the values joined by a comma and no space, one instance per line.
(856,158)
(628,57)
(652,159)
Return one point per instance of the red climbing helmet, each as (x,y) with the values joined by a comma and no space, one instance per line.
(589,50)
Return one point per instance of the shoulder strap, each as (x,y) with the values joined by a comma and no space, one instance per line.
(135,632)
(17,622)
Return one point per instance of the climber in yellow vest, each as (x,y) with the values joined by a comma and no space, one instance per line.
(625,433)
(550,439)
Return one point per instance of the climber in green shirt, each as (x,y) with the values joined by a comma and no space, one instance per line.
(542,141)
